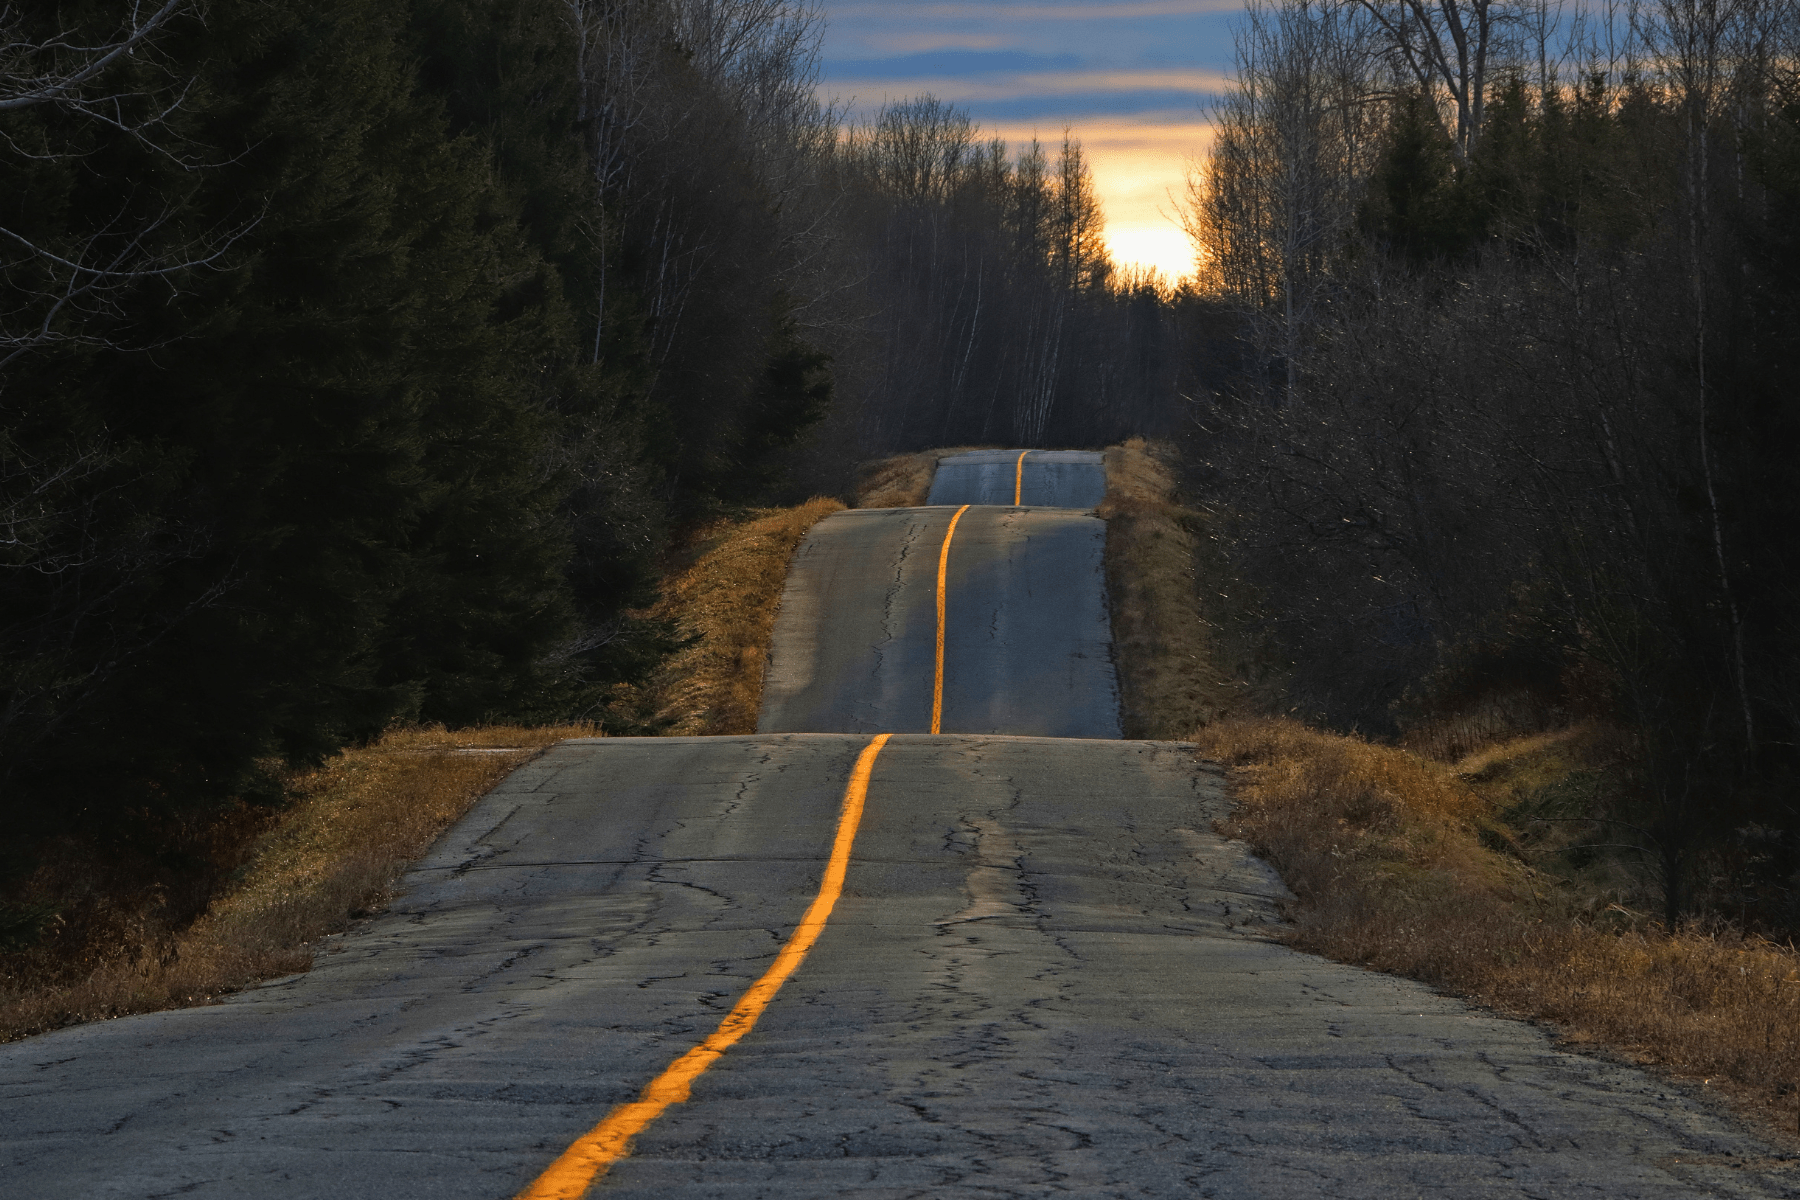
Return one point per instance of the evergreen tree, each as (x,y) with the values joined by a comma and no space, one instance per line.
(337,434)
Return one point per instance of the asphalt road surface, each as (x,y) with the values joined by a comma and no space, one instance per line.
(1027,638)
(819,963)
(1047,976)
(1044,478)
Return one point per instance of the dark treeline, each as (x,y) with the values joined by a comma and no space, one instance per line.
(998,317)
(301,418)
(1521,435)
(360,359)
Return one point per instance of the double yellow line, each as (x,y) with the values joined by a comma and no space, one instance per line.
(595,1151)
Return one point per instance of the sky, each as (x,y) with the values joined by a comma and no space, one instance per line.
(1128,77)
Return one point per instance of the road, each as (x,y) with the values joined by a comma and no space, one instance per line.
(1027,639)
(829,962)
(1046,976)
(1045,478)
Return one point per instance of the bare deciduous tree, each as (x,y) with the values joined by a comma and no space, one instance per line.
(52,67)
(1273,203)
(1535,428)
(1710,55)
(63,289)
(1447,49)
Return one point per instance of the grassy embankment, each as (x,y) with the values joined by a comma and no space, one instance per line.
(1450,861)
(282,879)
(725,601)
(291,876)
(904,480)
(1426,869)
(1176,671)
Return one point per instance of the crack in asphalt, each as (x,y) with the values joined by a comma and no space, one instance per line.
(874,699)
(1067,1002)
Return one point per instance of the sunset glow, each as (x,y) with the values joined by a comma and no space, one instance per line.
(1129,79)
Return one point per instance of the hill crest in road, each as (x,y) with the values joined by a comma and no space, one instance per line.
(1038,478)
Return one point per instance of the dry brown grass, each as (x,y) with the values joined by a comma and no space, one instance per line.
(1386,854)
(354,826)
(904,480)
(726,603)
(1171,676)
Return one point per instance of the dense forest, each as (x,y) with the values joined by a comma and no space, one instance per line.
(1520,296)
(360,360)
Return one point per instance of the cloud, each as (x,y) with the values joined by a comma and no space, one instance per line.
(887,10)
(957,61)
(858,37)
(1065,90)
(916,41)
(1129,79)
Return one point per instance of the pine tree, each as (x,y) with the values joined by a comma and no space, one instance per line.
(341,425)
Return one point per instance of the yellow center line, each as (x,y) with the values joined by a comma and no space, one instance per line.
(606,1143)
(937,683)
(1019,478)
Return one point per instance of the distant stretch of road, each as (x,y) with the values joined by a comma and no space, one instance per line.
(1027,641)
(859,959)
(1041,478)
